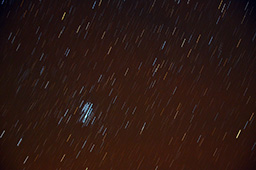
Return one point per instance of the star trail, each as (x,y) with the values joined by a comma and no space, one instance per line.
(87,113)
(127,84)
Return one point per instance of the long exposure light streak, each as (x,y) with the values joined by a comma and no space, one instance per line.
(87,113)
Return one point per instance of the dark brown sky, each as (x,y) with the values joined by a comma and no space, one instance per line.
(172,84)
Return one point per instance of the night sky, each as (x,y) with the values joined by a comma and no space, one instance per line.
(127,84)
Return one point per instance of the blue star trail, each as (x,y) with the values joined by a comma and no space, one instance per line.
(86,113)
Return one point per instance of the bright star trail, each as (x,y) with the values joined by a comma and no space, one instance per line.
(87,113)
(127,85)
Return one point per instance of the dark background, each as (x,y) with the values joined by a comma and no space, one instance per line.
(193,99)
